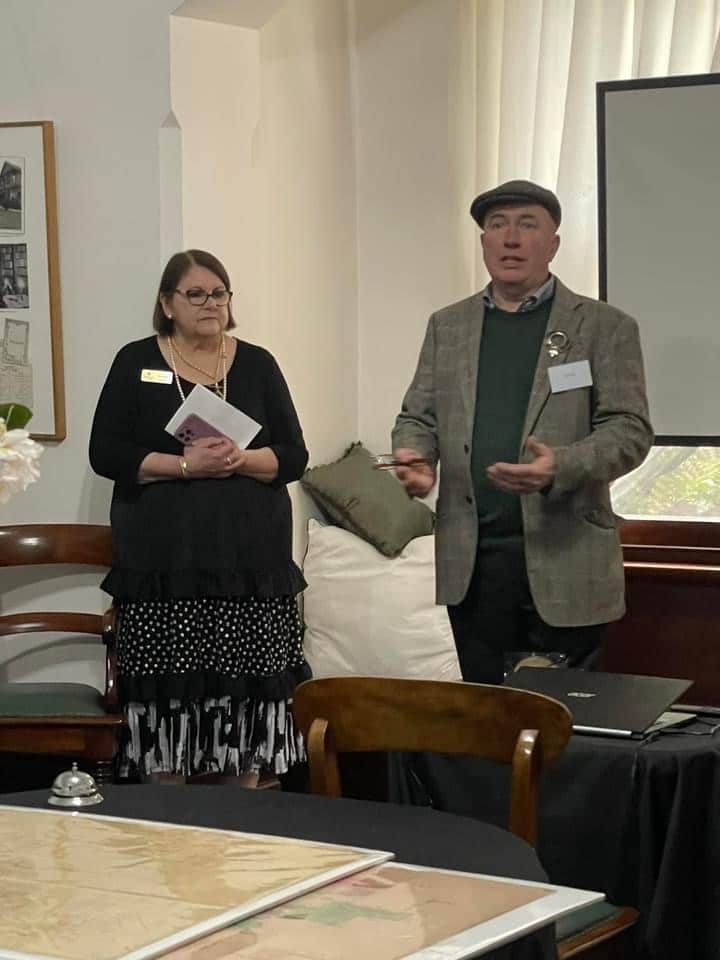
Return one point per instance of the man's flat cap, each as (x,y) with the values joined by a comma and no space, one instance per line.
(515,191)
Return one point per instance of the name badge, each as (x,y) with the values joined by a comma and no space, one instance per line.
(156,376)
(570,376)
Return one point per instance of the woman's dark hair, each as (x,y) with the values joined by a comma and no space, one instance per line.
(177,266)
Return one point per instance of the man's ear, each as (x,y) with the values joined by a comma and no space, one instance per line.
(555,247)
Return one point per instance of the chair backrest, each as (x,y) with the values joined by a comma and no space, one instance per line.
(77,544)
(31,544)
(357,714)
(35,543)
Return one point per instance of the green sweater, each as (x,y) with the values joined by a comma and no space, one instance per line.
(509,351)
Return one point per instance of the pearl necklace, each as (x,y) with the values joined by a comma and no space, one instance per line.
(220,389)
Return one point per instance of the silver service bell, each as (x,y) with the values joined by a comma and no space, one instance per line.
(73,788)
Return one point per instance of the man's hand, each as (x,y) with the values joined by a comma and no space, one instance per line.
(417,479)
(525,477)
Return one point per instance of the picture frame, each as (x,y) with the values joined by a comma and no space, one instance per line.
(31,348)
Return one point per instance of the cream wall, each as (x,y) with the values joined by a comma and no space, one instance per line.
(269,186)
(86,65)
(314,160)
(306,154)
(410,258)
(263,122)
(338,214)
(215,89)
(100,71)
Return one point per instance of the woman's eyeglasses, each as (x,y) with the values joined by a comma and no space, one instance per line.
(198,297)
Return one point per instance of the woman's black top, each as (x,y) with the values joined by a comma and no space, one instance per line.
(196,538)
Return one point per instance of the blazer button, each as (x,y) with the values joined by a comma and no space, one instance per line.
(467,449)
(469,499)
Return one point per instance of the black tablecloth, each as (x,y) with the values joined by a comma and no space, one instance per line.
(425,837)
(638,820)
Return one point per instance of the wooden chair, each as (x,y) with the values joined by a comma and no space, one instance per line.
(70,719)
(359,714)
(599,932)
(527,730)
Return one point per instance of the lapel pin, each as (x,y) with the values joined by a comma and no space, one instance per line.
(556,342)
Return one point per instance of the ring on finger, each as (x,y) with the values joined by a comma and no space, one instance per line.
(228,461)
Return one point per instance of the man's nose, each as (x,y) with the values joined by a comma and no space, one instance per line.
(512,237)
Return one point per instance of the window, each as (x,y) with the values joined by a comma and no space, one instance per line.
(674,483)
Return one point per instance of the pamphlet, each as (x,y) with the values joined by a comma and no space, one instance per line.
(204,414)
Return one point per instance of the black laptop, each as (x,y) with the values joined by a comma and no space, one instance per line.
(610,704)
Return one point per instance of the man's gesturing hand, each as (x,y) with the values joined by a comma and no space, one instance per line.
(525,477)
(419,478)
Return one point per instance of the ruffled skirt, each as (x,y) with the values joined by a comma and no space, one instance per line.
(207,684)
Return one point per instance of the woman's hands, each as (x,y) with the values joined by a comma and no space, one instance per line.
(209,458)
(219,457)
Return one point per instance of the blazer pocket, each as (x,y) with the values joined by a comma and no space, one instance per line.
(605,519)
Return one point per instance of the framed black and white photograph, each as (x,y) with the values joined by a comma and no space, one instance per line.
(31,353)
(14,282)
(11,194)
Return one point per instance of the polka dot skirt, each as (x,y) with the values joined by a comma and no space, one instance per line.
(235,637)
(206,683)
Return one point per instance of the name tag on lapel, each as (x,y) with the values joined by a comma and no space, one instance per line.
(570,376)
(156,376)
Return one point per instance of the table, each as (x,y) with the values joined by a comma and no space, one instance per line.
(416,835)
(639,820)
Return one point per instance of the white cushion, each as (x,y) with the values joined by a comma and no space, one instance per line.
(373,615)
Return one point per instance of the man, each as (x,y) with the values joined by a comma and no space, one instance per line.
(532,399)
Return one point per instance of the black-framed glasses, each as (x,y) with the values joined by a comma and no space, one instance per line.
(199,297)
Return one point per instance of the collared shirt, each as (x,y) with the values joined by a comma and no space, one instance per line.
(543,293)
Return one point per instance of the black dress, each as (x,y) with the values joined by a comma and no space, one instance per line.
(209,639)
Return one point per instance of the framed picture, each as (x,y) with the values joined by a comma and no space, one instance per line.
(31,354)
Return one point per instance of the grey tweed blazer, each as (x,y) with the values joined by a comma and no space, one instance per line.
(598,433)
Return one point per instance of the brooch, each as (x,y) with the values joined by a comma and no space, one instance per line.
(556,342)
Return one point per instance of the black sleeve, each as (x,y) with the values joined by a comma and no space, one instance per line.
(286,436)
(114,451)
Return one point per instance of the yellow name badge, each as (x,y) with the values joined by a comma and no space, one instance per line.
(156,376)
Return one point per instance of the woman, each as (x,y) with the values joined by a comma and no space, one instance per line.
(209,636)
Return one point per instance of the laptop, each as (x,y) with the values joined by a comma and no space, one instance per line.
(609,704)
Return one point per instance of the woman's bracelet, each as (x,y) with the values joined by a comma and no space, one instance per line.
(184,471)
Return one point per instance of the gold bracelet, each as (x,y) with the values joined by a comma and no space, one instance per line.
(184,471)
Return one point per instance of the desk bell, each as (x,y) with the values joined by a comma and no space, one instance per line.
(73,788)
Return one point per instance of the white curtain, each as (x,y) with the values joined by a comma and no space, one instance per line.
(524,90)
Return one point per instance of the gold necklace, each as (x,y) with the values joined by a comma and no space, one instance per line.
(193,366)
(219,388)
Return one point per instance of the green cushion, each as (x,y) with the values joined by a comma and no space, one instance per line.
(370,503)
(580,920)
(50,700)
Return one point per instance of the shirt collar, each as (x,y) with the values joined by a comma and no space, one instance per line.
(544,292)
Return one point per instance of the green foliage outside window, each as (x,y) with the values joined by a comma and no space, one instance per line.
(673,482)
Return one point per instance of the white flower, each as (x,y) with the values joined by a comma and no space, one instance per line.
(18,461)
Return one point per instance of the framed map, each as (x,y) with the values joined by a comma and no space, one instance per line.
(87,887)
(394,912)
